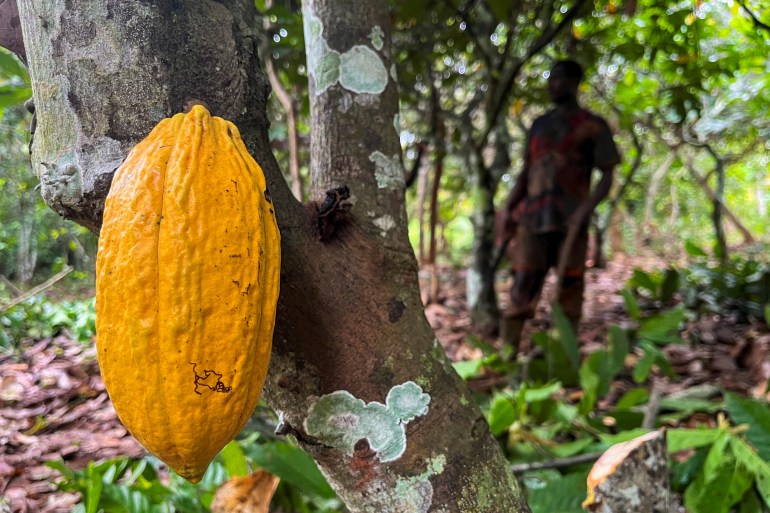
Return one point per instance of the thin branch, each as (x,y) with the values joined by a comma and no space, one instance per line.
(8,283)
(506,82)
(482,42)
(15,301)
(754,18)
(522,468)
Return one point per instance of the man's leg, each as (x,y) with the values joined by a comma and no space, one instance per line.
(573,284)
(530,271)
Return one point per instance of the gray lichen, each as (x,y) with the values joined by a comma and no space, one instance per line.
(340,420)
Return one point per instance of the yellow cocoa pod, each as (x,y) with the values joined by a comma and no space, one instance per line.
(187,279)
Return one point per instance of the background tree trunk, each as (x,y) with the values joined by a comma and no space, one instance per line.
(350,327)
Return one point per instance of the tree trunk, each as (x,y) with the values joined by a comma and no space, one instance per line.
(26,252)
(748,238)
(350,329)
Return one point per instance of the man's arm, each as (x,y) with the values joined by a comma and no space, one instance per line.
(584,211)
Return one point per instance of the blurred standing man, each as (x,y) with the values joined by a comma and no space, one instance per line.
(553,196)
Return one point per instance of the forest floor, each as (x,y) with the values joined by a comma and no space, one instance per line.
(53,405)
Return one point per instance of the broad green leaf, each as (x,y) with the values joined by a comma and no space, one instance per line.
(693,249)
(632,306)
(633,397)
(619,348)
(93,489)
(750,503)
(670,284)
(663,323)
(680,439)
(566,336)
(292,465)
(595,377)
(234,460)
(767,314)
(533,394)
(719,494)
(61,467)
(760,468)
(501,414)
(754,413)
(556,365)
(565,495)
(644,365)
(684,473)
(467,369)
(644,280)
(567,449)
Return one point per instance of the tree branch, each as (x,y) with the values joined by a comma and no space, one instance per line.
(15,301)
(495,107)
(10,28)
(754,18)
(522,468)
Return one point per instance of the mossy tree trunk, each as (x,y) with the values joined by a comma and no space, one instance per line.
(356,372)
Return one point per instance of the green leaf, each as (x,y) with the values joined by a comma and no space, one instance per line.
(721,483)
(93,489)
(632,306)
(501,414)
(680,439)
(595,377)
(292,465)
(234,460)
(644,280)
(62,468)
(750,503)
(693,249)
(756,414)
(533,394)
(467,369)
(767,314)
(663,323)
(563,495)
(566,336)
(619,348)
(567,449)
(644,365)
(670,285)
(633,397)
(760,468)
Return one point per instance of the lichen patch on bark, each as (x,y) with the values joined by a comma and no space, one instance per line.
(341,420)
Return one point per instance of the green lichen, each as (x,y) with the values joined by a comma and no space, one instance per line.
(362,71)
(323,63)
(388,171)
(411,494)
(340,420)
(359,70)
(376,37)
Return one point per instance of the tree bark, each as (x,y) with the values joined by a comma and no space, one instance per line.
(26,253)
(350,330)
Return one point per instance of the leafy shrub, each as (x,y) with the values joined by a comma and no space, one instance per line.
(39,318)
(122,485)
